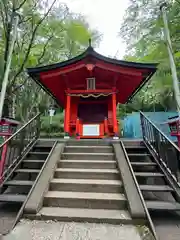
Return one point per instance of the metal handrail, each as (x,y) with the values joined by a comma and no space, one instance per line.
(13,149)
(19,130)
(169,140)
(139,192)
(163,148)
(20,213)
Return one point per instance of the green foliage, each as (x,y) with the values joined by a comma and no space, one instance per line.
(56,127)
(142,31)
(47,33)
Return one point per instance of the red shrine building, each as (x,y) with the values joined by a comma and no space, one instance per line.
(89,87)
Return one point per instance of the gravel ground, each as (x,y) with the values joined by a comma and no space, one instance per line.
(49,230)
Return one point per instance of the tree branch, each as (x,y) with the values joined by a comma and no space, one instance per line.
(69,55)
(23,39)
(177,1)
(3,21)
(35,103)
(44,49)
(19,86)
(5,9)
(26,20)
(9,29)
(31,41)
(20,5)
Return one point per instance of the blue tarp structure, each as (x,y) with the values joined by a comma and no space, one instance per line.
(132,126)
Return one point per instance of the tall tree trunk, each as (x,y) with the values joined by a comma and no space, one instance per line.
(6,108)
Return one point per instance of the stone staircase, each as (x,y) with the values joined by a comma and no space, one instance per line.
(86,186)
(15,189)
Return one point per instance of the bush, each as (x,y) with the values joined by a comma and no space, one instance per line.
(55,128)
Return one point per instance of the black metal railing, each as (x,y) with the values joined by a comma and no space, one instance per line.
(13,149)
(166,151)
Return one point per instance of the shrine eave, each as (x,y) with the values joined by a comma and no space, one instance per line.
(91,53)
(146,69)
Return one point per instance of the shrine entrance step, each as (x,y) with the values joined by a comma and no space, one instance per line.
(87,186)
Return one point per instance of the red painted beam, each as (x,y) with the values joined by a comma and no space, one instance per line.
(90,91)
(61,72)
(108,67)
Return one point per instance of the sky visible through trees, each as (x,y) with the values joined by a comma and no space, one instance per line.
(51,32)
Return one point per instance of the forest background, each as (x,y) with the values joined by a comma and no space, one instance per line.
(52,33)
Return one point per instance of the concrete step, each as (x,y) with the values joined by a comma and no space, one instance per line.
(138,157)
(163,206)
(16,198)
(42,148)
(156,188)
(88,156)
(18,183)
(136,149)
(89,142)
(45,143)
(143,164)
(133,142)
(88,149)
(87,164)
(148,174)
(85,215)
(86,185)
(33,161)
(91,200)
(23,170)
(33,164)
(37,155)
(73,173)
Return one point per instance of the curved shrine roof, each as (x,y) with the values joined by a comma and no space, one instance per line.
(127,77)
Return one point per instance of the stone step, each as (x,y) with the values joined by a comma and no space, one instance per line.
(85,215)
(86,185)
(133,142)
(163,206)
(33,164)
(23,170)
(137,157)
(18,183)
(87,164)
(16,198)
(37,155)
(136,149)
(88,149)
(84,159)
(88,156)
(143,164)
(148,174)
(33,161)
(45,143)
(156,188)
(43,146)
(106,174)
(89,142)
(91,200)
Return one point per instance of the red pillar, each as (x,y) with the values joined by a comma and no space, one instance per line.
(115,127)
(67,114)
